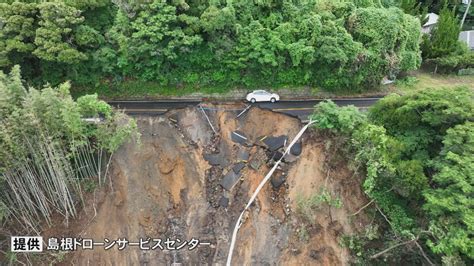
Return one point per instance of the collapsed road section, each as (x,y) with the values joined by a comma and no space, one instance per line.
(297,108)
(273,144)
(188,180)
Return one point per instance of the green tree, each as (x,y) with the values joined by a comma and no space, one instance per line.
(416,153)
(451,200)
(55,33)
(444,39)
(157,36)
(391,39)
(17,34)
(336,45)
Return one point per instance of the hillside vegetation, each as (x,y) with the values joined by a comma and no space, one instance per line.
(48,152)
(336,45)
(416,152)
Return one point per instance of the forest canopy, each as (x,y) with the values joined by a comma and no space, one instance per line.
(347,45)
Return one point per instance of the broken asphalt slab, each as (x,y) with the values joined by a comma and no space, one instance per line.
(229,180)
(215,159)
(275,143)
(243,155)
(238,167)
(238,137)
(276,155)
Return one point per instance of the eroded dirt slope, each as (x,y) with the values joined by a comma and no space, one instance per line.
(169,187)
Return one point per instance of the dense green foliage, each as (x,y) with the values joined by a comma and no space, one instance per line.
(347,45)
(442,50)
(453,63)
(47,149)
(418,152)
(444,38)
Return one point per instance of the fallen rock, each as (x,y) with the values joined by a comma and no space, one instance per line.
(277,180)
(314,254)
(296,149)
(224,202)
(173,117)
(289,158)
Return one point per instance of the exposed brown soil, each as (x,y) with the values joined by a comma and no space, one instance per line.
(165,188)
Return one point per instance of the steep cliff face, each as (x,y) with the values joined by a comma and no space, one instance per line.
(172,186)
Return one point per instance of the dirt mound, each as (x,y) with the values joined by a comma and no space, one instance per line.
(164,187)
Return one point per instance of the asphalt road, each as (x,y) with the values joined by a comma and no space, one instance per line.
(299,108)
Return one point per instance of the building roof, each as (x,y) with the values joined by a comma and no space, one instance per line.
(432,19)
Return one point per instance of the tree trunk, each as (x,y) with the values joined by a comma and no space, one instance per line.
(465,13)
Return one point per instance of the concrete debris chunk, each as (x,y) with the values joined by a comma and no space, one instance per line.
(275,143)
(238,167)
(258,159)
(238,137)
(213,159)
(296,149)
(230,179)
(173,117)
(277,180)
(224,202)
(255,164)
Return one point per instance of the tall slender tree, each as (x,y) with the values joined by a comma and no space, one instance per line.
(444,40)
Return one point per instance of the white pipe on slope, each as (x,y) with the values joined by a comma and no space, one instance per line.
(260,186)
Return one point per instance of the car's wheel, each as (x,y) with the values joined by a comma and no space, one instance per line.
(253,100)
(272,100)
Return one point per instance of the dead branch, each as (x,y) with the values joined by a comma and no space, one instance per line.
(365,206)
(423,253)
(415,241)
(385,217)
(327,177)
(392,247)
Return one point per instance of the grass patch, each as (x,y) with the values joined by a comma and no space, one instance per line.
(303,233)
(307,207)
(134,89)
(422,80)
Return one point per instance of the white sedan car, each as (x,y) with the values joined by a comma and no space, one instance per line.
(262,96)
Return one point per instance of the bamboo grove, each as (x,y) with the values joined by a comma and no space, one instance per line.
(48,150)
